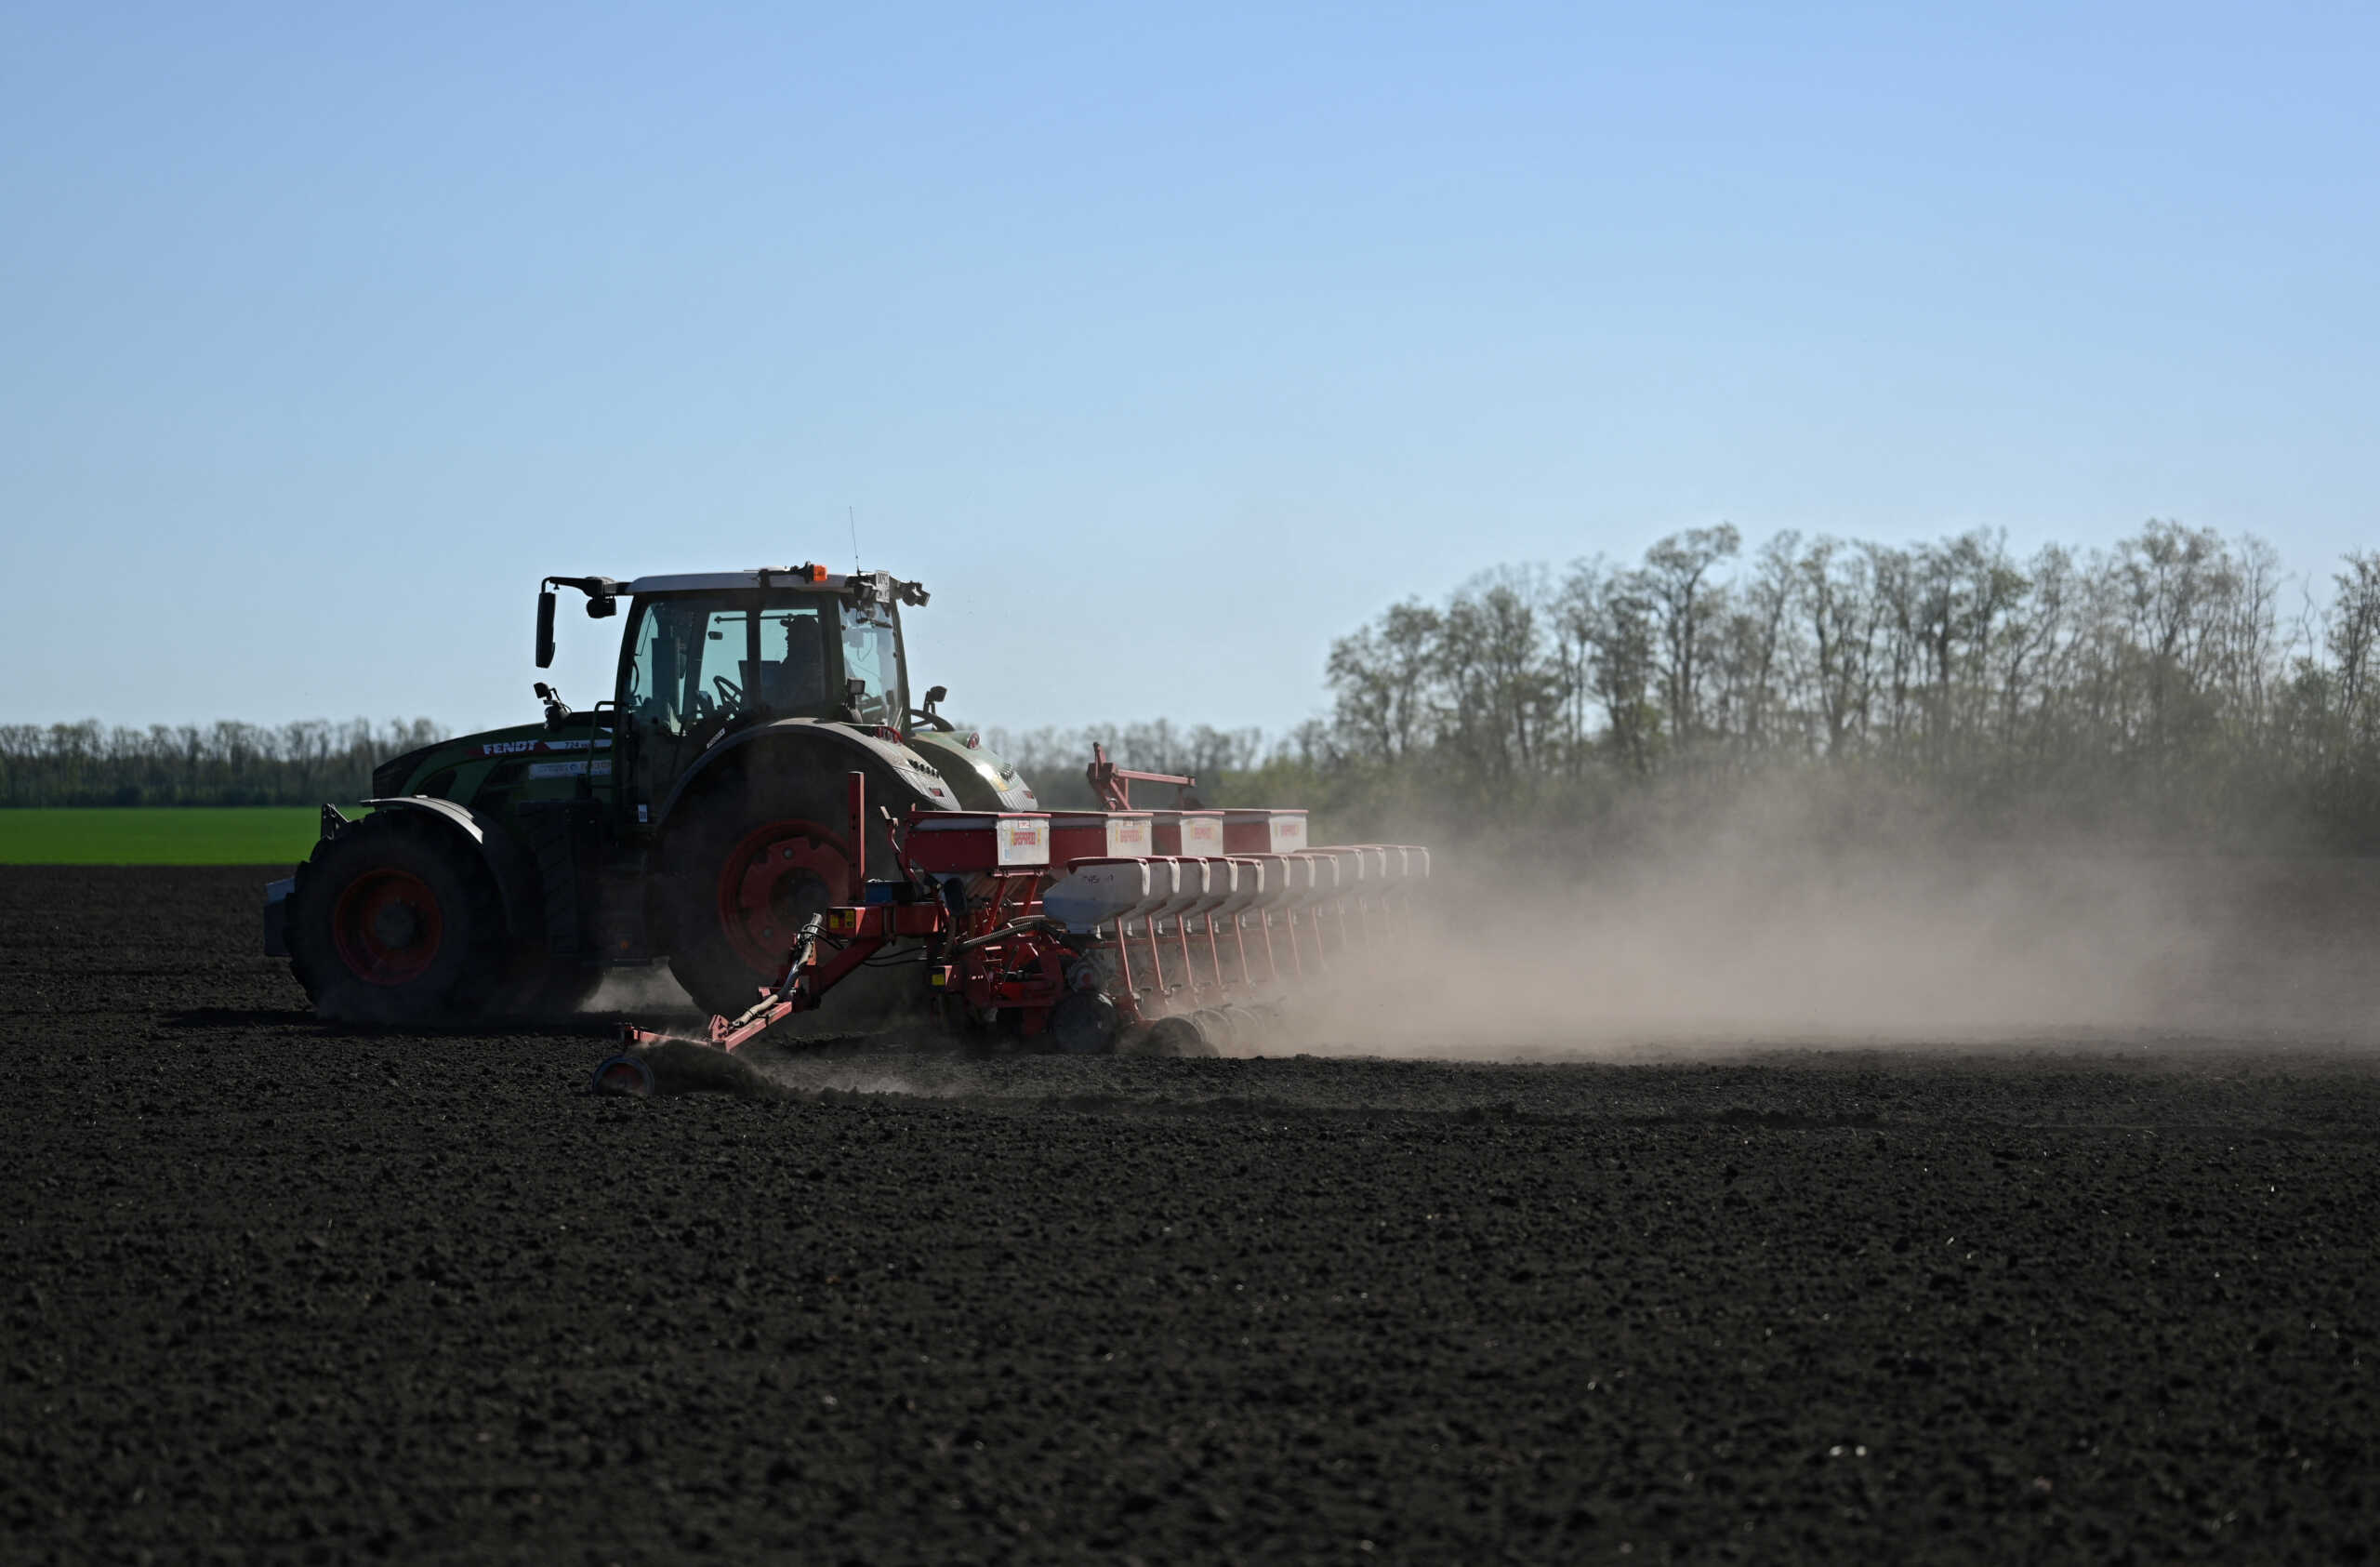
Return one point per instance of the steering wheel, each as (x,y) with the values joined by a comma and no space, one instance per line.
(731,694)
(710,719)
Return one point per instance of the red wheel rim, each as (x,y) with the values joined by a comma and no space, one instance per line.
(388,926)
(777,875)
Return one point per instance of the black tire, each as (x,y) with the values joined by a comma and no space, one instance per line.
(396,922)
(1218,1027)
(1175,1036)
(961,1028)
(1085,1023)
(722,961)
(1249,1028)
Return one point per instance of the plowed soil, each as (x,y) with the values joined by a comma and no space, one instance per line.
(276,1292)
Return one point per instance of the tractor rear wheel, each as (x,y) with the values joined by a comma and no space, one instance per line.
(396,921)
(757,857)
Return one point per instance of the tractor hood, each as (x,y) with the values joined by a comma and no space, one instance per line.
(454,768)
(391,777)
(982,779)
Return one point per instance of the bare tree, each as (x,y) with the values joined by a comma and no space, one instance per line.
(1676,582)
(2353,639)
(1381,677)
(2158,676)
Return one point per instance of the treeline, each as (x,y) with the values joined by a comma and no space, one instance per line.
(2180,683)
(2179,687)
(227,764)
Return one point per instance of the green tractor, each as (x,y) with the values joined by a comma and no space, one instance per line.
(698,815)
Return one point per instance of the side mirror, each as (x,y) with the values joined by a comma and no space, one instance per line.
(546,629)
(935,694)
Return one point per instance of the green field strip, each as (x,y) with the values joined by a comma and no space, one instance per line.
(158,835)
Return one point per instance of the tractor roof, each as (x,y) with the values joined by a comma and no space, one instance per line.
(883,585)
(715,581)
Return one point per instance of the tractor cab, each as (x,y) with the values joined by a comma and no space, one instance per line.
(710,652)
(706,657)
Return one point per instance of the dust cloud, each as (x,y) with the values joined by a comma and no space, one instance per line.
(1779,917)
(642,989)
(1698,935)
(768,1069)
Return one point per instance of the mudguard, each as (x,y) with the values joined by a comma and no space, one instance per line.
(515,872)
(926,790)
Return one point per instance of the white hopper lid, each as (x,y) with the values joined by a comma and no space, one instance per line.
(1223,887)
(1091,893)
(1247,887)
(1189,886)
(1352,867)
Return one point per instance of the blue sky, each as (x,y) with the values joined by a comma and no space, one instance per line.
(1163,345)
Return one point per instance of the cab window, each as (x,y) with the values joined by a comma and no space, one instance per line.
(792,678)
(701,656)
(672,643)
(872,655)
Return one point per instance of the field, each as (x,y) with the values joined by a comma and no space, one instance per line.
(159,835)
(275,1292)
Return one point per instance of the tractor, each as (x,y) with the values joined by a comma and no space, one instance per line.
(696,816)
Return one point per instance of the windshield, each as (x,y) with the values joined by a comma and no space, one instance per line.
(697,656)
(872,654)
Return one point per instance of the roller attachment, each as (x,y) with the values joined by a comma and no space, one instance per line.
(626,1075)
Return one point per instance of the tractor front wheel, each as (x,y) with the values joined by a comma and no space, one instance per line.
(396,920)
